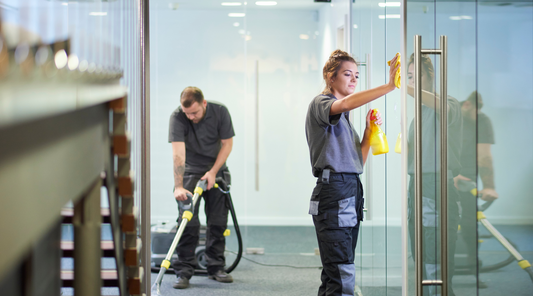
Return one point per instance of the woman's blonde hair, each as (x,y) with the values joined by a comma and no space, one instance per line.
(332,66)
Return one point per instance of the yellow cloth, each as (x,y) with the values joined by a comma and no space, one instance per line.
(397,78)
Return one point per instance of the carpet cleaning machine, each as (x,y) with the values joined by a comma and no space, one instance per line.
(168,238)
(470,186)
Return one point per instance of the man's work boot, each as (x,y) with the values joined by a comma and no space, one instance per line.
(181,283)
(221,276)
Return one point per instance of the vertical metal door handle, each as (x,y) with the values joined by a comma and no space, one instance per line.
(444,164)
(257,125)
(419,264)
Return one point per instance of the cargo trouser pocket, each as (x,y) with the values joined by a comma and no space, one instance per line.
(335,245)
(347,212)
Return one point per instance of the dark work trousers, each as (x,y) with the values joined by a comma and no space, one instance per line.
(217,221)
(468,224)
(337,209)
(431,228)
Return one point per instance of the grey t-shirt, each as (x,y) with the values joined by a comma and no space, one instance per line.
(474,132)
(431,139)
(333,142)
(202,140)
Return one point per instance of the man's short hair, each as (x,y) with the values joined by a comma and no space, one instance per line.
(190,95)
(475,99)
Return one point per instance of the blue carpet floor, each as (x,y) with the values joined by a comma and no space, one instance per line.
(378,265)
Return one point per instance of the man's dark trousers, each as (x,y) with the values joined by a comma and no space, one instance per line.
(217,221)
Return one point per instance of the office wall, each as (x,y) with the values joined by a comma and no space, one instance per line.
(205,48)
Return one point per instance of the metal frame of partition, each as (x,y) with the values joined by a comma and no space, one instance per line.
(144,26)
(443,111)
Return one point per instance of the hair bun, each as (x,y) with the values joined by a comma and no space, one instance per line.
(337,53)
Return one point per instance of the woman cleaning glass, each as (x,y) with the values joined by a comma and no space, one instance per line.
(337,159)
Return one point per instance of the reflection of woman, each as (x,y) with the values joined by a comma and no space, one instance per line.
(431,173)
(337,159)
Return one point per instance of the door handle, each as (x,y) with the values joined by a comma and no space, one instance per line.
(419,254)
(256,94)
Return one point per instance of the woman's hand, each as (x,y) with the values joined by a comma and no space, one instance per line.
(379,121)
(392,72)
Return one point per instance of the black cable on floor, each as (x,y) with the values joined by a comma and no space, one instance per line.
(277,265)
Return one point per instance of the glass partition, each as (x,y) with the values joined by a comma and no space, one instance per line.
(451,63)
(375,41)
(504,163)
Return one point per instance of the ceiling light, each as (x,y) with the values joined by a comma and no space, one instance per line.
(98,13)
(355,26)
(236,24)
(304,36)
(266,3)
(73,62)
(64,3)
(231,3)
(460,17)
(84,65)
(390,4)
(61,59)
(394,16)
(236,14)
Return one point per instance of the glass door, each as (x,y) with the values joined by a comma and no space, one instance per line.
(439,66)
(378,255)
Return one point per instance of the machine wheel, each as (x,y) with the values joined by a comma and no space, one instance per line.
(201,258)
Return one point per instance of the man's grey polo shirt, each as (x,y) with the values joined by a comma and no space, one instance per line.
(333,142)
(202,140)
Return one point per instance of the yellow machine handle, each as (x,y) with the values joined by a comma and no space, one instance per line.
(165,264)
(187,215)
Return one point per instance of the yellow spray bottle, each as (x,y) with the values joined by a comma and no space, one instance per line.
(398,147)
(378,140)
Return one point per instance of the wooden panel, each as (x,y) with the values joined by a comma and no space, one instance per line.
(125,186)
(118,105)
(129,224)
(121,145)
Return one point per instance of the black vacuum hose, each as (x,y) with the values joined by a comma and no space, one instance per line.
(229,204)
(492,267)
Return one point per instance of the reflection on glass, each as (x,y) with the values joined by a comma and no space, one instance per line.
(478,136)
(431,175)
(503,130)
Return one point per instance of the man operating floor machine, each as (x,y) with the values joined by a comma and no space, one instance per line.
(161,240)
